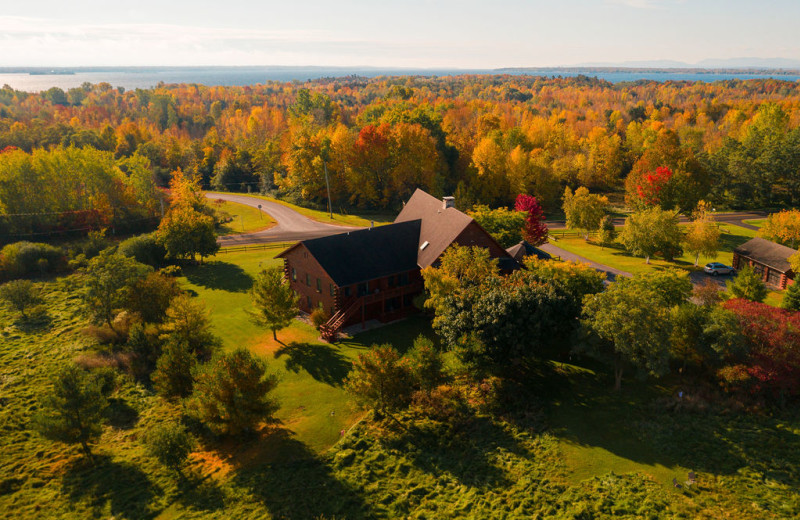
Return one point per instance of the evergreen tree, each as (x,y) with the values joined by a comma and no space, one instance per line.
(173,374)
(791,298)
(748,285)
(171,444)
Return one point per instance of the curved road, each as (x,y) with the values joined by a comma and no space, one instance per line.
(736,218)
(291,225)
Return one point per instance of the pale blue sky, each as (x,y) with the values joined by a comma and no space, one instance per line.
(412,33)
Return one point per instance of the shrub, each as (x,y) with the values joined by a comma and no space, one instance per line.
(319,317)
(381,379)
(22,259)
(173,374)
(427,366)
(20,294)
(748,285)
(144,249)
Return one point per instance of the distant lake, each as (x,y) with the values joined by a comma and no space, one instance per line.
(149,77)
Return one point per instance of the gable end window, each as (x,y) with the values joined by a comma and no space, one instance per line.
(294,274)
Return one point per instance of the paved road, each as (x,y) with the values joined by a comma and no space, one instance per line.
(291,225)
(736,218)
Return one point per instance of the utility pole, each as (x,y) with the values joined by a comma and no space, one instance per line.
(328,185)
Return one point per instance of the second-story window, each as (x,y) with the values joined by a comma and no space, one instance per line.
(308,279)
(294,274)
(319,285)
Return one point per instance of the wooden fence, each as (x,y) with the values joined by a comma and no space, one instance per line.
(255,247)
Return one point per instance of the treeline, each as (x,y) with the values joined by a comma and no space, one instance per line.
(484,138)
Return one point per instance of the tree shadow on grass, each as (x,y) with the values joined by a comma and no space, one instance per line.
(220,275)
(323,362)
(297,484)
(201,494)
(121,415)
(39,320)
(121,485)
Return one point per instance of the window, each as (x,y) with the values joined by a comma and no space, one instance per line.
(308,279)
(333,290)
(774,278)
(308,301)
(363,288)
(294,274)
(319,285)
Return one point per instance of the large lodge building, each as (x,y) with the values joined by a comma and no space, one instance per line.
(375,273)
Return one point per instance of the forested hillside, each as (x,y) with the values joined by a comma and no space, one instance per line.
(483,138)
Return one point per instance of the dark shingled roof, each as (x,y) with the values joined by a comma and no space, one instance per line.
(440,225)
(523,249)
(366,254)
(768,253)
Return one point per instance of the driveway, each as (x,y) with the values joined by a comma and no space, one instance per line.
(736,218)
(611,273)
(291,225)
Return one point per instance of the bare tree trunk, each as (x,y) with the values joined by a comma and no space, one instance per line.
(647,259)
(697,259)
(617,375)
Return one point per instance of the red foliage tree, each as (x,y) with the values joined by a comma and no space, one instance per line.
(652,185)
(535,231)
(774,338)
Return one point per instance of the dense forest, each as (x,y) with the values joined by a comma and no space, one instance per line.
(86,152)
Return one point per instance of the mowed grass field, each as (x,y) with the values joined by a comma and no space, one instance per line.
(580,451)
(355,219)
(245,219)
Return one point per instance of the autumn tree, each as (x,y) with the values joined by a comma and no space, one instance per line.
(652,231)
(232,393)
(535,230)
(702,236)
(783,227)
(187,230)
(584,210)
(72,412)
(274,301)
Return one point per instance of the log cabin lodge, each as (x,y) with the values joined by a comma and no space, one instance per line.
(375,273)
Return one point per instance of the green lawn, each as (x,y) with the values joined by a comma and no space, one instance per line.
(246,219)
(576,449)
(359,219)
(758,222)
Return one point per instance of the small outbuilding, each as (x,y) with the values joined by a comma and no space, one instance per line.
(768,259)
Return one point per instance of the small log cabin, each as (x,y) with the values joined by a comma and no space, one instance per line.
(375,273)
(768,259)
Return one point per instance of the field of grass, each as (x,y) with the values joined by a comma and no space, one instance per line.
(357,219)
(578,451)
(246,219)
(732,237)
(758,222)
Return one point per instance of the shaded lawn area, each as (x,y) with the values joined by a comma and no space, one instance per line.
(314,407)
(357,219)
(732,236)
(246,219)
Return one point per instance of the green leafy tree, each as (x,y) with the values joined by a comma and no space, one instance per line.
(791,298)
(21,295)
(274,300)
(171,444)
(72,412)
(109,279)
(584,210)
(173,376)
(232,393)
(632,325)
(427,365)
(672,286)
(381,380)
(504,225)
(187,322)
(652,231)
(186,233)
(748,285)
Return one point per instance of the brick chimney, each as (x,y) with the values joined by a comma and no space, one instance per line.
(448,202)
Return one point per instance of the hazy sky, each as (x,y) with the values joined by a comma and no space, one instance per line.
(408,33)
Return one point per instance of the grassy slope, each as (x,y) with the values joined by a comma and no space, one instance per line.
(362,219)
(246,219)
(747,465)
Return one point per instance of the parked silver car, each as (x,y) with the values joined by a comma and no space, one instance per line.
(716,268)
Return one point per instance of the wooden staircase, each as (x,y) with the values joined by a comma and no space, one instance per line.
(332,327)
